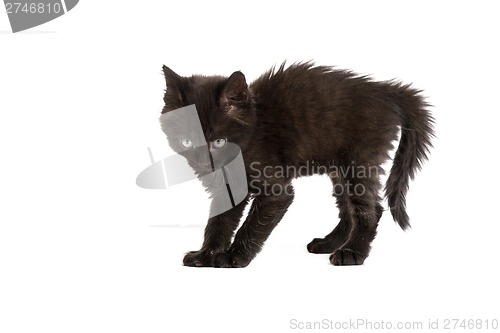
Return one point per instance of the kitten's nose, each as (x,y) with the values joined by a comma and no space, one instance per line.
(204,158)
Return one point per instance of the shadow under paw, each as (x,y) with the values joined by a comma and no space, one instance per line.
(346,257)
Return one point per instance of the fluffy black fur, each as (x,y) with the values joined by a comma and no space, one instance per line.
(310,119)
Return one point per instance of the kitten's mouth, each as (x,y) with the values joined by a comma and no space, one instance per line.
(203,170)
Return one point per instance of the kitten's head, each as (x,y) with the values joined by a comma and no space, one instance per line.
(225,112)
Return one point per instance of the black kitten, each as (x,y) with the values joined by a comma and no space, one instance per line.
(299,121)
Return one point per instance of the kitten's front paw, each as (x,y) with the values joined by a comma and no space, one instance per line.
(345,257)
(229,260)
(201,258)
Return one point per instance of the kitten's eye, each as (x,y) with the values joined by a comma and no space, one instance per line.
(219,143)
(186,143)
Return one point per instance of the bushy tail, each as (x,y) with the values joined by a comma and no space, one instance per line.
(415,142)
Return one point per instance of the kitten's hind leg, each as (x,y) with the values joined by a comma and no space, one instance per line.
(364,211)
(335,239)
(332,241)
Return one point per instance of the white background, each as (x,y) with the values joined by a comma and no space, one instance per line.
(82,249)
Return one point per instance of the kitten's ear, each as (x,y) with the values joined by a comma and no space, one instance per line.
(174,83)
(172,78)
(236,90)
